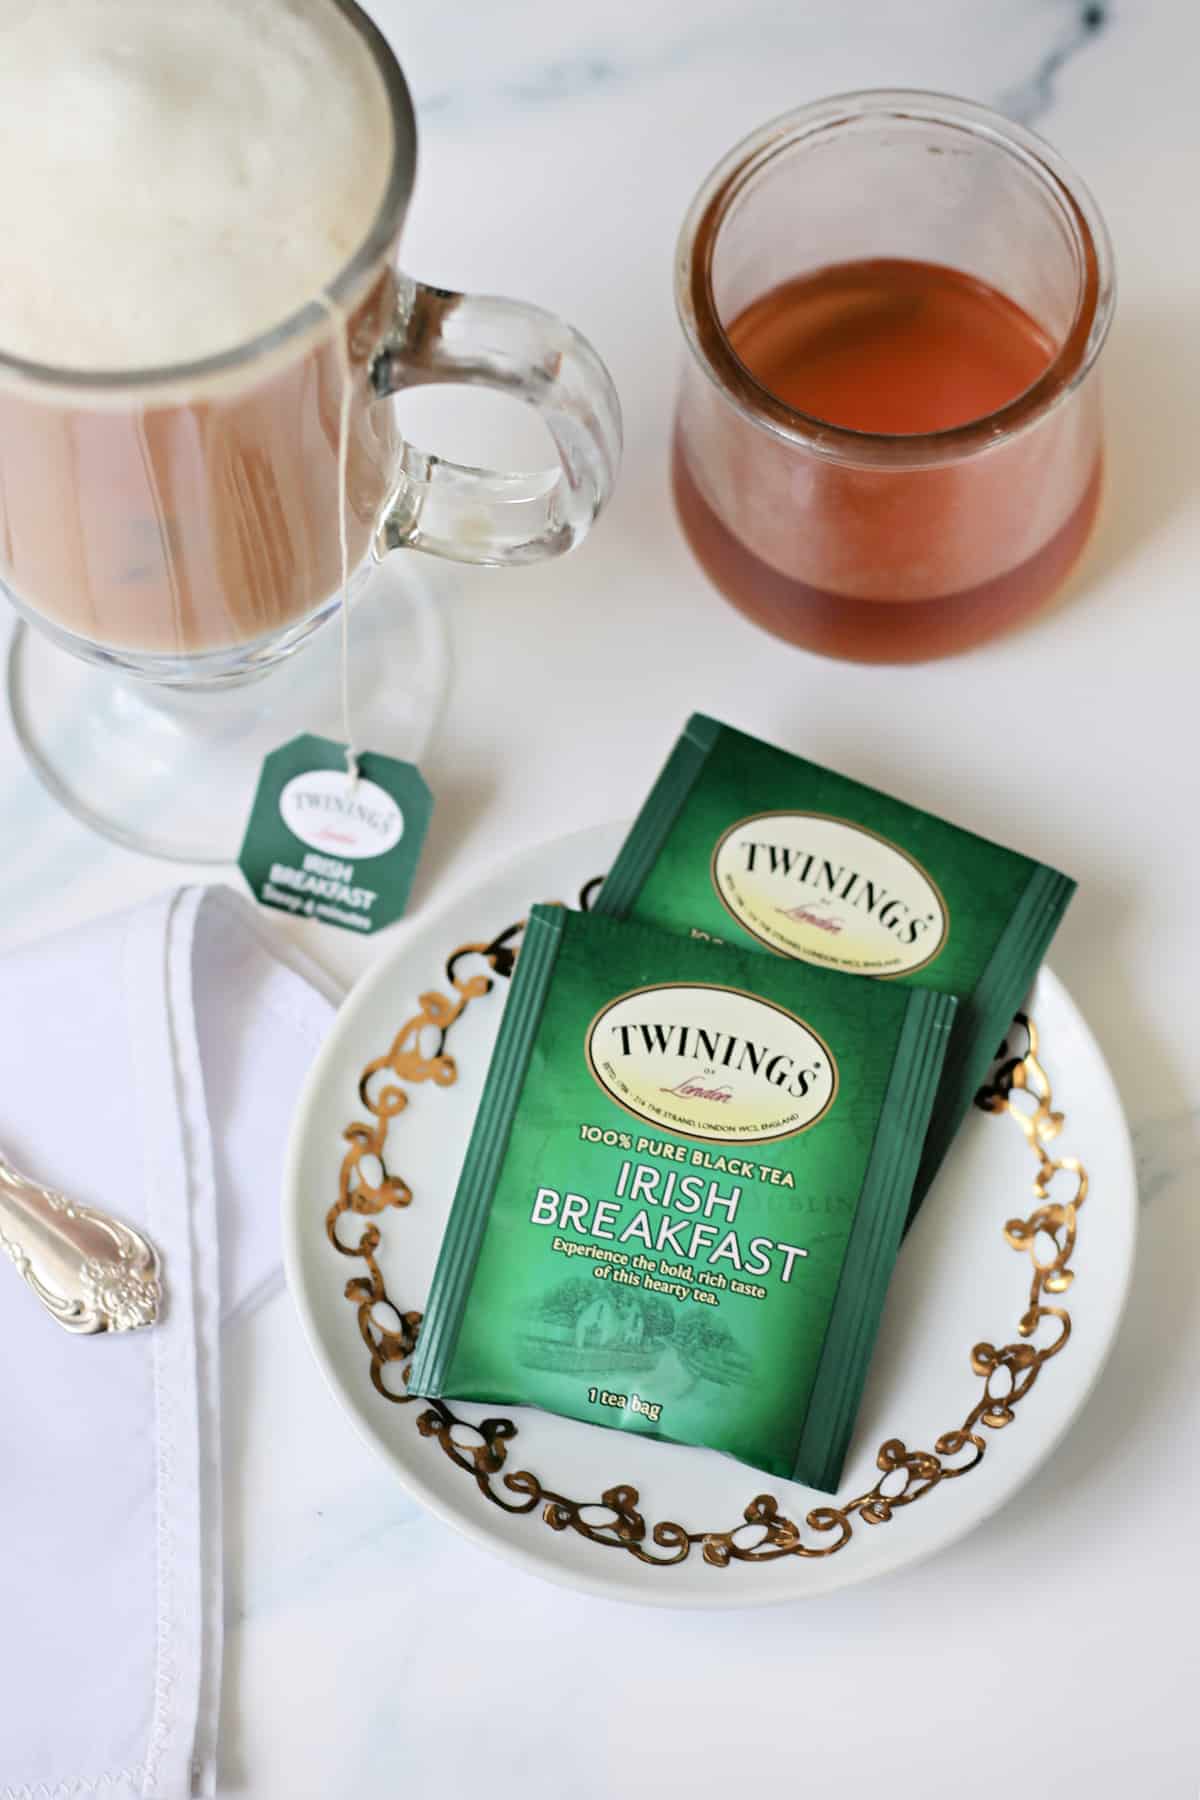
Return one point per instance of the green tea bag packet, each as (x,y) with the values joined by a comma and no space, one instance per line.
(750,845)
(684,1193)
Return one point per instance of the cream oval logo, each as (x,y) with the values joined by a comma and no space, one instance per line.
(825,891)
(713,1063)
(327,813)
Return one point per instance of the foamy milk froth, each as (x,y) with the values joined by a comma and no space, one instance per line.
(178,176)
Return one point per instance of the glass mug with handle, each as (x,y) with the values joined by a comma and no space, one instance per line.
(184,526)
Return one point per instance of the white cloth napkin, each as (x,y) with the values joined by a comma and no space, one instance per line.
(148,1064)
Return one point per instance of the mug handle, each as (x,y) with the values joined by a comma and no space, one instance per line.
(481,515)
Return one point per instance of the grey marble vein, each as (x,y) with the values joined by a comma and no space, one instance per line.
(1165,1151)
(622,50)
(588,71)
(1027,101)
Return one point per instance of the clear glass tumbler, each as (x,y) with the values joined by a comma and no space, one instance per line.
(178,530)
(868,545)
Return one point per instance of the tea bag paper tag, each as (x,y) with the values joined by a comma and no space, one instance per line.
(321,846)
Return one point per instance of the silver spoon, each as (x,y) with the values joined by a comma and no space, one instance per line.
(90,1271)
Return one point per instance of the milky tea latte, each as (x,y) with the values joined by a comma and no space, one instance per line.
(178,182)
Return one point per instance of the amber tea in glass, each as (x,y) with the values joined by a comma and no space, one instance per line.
(888,442)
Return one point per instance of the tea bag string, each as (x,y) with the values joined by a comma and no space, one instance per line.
(338,320)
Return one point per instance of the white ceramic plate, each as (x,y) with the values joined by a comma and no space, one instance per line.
(958,1283)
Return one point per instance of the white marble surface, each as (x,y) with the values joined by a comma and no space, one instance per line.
(1053,1652)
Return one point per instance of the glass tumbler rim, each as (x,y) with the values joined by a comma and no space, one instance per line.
(346,285)
(709,342)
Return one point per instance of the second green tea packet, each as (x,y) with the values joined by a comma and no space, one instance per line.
(746,844)
(684,1193)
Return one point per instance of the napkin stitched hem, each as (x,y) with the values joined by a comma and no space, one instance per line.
(125,1782)
(197,1149)
(177,1403)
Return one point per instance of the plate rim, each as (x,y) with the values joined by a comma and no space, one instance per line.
(358,996)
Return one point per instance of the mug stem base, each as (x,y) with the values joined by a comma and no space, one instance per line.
(172,773)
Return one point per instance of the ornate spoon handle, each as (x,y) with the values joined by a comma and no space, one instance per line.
(91,1272)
